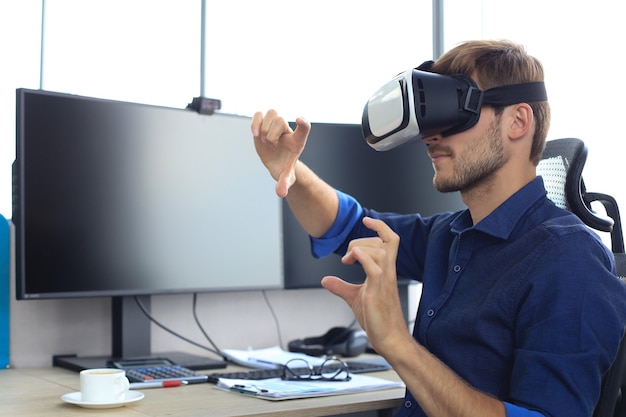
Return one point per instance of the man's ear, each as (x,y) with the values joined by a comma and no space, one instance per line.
(520,121)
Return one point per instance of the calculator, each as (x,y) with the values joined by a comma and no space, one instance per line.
(157,370)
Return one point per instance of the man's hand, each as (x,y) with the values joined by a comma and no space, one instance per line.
(279,147)
(375,303)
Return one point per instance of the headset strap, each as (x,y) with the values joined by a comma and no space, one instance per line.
(506,95)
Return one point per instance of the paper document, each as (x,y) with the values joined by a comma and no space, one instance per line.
(271,357)
(278,389)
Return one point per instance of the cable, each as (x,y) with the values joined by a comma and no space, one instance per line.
(351,325)
(215,349)
(276,322)
(153,320)
(195,317)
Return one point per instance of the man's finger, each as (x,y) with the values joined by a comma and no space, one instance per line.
(385,233)
(341,288)
(255,125)
(303,127)
(285,181)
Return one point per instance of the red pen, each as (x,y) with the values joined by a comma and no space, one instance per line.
(157,384)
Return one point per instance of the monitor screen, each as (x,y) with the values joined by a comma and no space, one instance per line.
(399,180)
(114,199)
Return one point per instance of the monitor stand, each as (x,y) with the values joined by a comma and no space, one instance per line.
(131,340)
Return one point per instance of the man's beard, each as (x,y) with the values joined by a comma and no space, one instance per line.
(476,164)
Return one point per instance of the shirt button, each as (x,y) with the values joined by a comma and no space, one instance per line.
(457,268)
(430,312)
(408,404)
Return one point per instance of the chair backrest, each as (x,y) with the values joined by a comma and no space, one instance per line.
(561,168)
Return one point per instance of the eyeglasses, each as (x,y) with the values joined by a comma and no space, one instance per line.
(332,369)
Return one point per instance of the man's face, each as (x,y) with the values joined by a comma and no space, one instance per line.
(469,158)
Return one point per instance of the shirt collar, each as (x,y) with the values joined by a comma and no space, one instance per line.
(501,222)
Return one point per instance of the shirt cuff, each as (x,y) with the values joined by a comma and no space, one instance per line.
(515,411)
(350,212)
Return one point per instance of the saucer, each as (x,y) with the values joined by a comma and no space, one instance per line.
(76,398)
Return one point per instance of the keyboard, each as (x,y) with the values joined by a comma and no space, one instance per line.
(355,367)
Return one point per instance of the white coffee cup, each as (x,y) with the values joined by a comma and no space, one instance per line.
(103,385)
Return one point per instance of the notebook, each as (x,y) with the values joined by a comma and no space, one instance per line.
(277,389)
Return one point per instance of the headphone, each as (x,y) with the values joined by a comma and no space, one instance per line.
(340,341)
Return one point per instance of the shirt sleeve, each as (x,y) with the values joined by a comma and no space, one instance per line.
(515,411)
(350,211)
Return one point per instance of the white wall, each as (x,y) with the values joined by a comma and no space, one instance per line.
(42,328)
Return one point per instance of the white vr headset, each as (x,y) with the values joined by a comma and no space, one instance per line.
(418,104)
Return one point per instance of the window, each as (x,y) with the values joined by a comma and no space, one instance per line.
(580,48)
(320,60)
(20,31)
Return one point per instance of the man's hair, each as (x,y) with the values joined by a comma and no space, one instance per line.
(496,63)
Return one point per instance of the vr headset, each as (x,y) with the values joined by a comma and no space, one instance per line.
(418,104)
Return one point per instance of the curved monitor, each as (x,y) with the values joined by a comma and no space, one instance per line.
(398,180)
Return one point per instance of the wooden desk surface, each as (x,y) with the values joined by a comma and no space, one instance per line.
(37,392)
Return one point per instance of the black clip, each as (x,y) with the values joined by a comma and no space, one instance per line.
(473,100)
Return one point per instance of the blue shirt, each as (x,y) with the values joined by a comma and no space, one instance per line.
(524,305)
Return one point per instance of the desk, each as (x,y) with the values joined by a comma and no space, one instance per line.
(37,393)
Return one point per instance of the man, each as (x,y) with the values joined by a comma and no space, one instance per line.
(521,313)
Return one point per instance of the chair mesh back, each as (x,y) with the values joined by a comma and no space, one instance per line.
(561,167)
(554,172)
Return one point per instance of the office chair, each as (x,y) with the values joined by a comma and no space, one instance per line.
(561,167)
